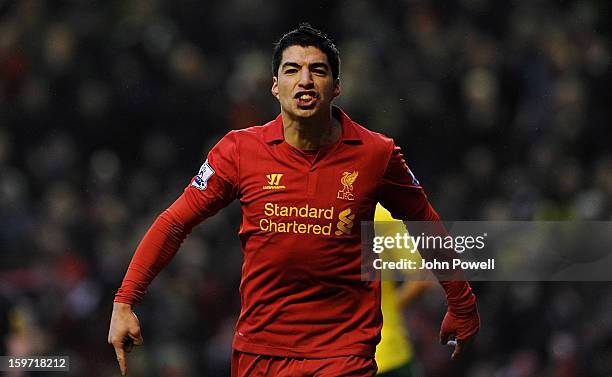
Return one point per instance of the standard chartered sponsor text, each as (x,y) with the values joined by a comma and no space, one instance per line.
(273,212)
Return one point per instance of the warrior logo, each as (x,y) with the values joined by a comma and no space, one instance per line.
(274,182)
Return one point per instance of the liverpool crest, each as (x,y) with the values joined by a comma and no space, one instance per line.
(347,180)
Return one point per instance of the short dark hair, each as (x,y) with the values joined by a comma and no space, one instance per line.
(305,35)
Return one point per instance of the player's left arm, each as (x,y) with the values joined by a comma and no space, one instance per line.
(402,194)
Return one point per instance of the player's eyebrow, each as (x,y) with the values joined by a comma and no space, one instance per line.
(311,65)
(291,64)
(319,65)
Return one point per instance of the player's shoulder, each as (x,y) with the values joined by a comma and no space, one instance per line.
(259,132)
(373,139)
(252,131)
(372,135)
(355,131)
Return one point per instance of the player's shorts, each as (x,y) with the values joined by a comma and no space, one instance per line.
(251,365)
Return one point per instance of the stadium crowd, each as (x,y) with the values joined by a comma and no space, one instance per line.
(107,109)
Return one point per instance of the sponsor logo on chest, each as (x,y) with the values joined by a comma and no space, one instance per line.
(273,181)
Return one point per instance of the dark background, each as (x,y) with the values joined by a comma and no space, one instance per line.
(107,109)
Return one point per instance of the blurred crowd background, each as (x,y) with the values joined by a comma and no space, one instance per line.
(107,109)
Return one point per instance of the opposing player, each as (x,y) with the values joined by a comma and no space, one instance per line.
(305,180)
(394,353)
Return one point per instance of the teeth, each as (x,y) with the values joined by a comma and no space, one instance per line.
(306,97)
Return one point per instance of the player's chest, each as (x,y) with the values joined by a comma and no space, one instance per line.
(333,180)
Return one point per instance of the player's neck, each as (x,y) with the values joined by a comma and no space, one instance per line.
(311,133)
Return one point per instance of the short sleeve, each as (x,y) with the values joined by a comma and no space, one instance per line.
(216,183)
(401,193)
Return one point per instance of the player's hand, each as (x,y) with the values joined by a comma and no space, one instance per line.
(124,333)
(459,330)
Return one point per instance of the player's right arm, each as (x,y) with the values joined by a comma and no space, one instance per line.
(124,332)
(213,188)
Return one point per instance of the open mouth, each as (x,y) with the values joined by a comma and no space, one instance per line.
(306,99)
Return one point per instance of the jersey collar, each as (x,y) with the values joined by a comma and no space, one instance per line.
(273,133)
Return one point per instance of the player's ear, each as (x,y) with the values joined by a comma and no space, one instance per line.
(337,89)
(274,89)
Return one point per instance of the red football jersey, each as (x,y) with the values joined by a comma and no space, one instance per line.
(301,288)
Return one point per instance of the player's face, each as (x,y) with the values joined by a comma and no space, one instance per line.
(304,84)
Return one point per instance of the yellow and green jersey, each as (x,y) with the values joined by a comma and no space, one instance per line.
(394,349)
